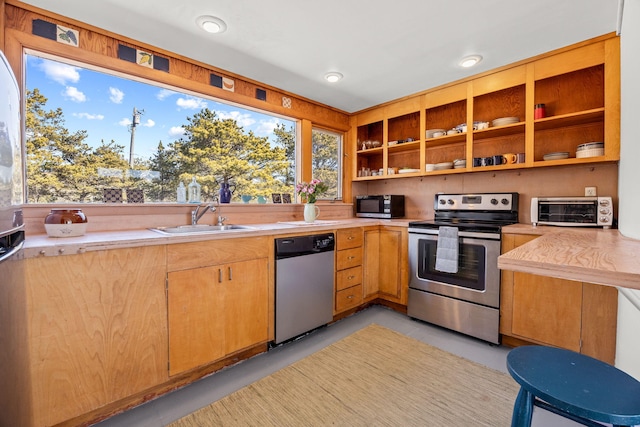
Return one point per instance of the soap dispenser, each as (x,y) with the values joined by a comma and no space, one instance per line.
(194,191)
(181,197)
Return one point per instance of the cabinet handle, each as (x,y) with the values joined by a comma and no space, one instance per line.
(350,296)
(351,238)
(230,274)
(350,257)
(219,275)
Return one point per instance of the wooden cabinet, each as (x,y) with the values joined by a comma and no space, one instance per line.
(215,310)
(348,269)
(574,315)
(579,86)
(386,264)
(97,327)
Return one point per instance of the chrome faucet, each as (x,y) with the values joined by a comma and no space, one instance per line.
(196,214)
(221,218)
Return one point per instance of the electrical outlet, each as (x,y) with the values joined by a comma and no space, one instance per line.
(590,191)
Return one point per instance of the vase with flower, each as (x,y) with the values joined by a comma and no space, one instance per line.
(309,193)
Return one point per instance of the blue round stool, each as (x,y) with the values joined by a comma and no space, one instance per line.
(572,385)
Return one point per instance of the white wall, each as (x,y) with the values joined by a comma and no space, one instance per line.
(628,346)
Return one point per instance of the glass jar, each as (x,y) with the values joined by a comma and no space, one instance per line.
(65,223)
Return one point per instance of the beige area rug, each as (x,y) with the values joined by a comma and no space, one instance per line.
(374,377)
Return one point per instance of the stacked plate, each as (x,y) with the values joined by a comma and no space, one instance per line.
(443,166)
(503,121)
(590,149)
(460,163)
(556,156)
(430,132)
(430,167)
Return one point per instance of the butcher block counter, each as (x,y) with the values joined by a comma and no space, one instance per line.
(583,254)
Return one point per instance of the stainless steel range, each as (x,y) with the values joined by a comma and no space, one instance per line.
(453,260)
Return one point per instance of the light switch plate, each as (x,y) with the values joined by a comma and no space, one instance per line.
(590,192)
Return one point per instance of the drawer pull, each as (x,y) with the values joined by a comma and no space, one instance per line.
(219,275)
(350,237)
(230,274)
(350,257)
(351,277)
(350,296)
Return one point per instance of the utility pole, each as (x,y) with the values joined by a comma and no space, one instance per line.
(135,122)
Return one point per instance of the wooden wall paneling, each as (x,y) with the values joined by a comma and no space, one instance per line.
(185,73)
(499,81)
(98,329)
(599,321)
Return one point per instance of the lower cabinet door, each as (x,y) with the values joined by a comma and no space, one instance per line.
(215,311)
(195,303)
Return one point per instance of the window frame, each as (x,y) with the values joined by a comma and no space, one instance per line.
(339,159)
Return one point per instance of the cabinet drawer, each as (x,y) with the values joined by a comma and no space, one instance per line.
(348,238)
(348,298)
(349,258)
(347,278)
(212,252)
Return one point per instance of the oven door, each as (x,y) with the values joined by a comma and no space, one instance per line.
(478,276)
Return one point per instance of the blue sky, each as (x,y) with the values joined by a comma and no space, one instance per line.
(103,105)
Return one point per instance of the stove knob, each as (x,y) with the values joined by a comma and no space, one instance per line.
(442,201)
(604,219)
(450,201)
(505,201)
(604,211)
(604,202)
(494,201)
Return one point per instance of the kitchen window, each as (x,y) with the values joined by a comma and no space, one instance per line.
(326,163)
(89,130)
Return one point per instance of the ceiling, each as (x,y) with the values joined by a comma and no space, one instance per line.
(385,49)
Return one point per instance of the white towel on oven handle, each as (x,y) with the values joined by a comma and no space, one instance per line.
(447,250)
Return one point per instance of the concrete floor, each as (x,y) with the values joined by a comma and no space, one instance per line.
(172,406)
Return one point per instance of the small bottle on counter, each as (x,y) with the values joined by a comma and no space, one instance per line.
(181,197)
(194,191)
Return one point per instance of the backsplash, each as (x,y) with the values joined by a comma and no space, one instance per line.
(530,182)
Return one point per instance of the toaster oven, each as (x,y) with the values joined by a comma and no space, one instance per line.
(572,211)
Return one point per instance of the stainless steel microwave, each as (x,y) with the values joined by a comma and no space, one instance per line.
(381,206)
(572,211)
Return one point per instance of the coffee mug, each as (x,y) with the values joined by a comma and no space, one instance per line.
(439,134)
(510,158)
(487,161)
(477,161)
(498,159)
(520,158)
(452,132)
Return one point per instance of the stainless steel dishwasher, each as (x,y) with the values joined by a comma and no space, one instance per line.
(304,284)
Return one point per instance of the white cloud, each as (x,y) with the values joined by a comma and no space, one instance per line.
(116,95)
(165,93)
(243,119)
(191,103)
(125,122)
(74,94)
(60,73)
(176,132)
(266,127)
(88,116)
(149,123)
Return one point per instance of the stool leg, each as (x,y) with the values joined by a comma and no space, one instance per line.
(522,409)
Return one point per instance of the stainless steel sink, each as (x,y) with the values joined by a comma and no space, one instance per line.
(199,229)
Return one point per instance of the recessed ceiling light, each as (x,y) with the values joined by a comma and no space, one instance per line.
(211,24)
(470,61)
(333,76)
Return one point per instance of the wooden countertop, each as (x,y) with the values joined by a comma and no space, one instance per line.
(583,254)
(43,245)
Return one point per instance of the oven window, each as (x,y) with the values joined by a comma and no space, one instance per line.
(585,213)
(471,265)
